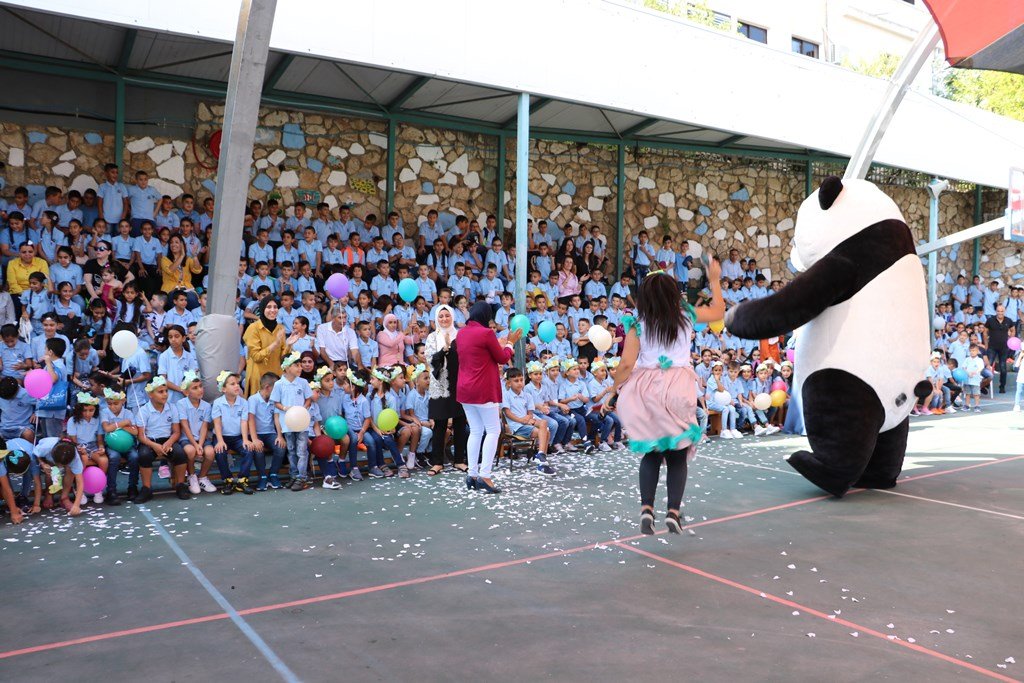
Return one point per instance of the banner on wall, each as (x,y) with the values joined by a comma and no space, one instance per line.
(1015,206)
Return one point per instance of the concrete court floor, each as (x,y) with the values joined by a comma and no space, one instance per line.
(419,579)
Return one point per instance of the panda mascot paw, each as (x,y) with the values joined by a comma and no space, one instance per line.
(858,273)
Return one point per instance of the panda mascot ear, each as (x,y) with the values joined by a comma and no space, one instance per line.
(829,192)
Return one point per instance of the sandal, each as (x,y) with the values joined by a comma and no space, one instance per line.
(435,470)
(462,467)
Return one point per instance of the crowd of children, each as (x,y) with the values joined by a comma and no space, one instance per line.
(80,267)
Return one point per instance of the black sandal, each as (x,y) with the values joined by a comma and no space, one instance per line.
(461,467)
(673,523)
(435,470)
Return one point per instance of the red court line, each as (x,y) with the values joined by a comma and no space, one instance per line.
(813,612)
(426,579)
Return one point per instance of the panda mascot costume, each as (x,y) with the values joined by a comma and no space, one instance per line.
(863,347)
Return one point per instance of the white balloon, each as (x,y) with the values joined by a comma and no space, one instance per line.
(723,398)
(763,401)
(124,343)
(296,419)
(600,338)
(938,322)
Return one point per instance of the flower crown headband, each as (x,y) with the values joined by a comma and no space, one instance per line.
(157,382)
(87,399)
(188,377)
(414,371)
(112,395)
(290,360)
(222,378)
(355,380)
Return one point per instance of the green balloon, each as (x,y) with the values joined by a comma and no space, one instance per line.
(336,427)
(520,322)
(387,420)
(120,441)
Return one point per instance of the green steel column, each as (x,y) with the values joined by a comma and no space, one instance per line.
(979,215)
(809,178)
(620,209)
(499,179)
(389,192)
(119,114)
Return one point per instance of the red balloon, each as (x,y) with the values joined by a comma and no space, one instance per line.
(322,447)
(779,385)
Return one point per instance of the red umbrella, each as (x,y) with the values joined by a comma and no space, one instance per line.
(981,34)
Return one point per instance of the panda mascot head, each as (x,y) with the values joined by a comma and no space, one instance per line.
(859,303)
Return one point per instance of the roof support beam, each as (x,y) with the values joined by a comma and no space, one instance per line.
(639,126)
(620,208)
(534,108)
(190,60)
(126,49)
(407,93)
(470,100)
(274,76)
(730,140)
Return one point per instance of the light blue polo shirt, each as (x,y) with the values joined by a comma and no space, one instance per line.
(290,393)
(157,423)
(86,432)
(263,410)
(143,201)
(231,416)
(113,196)
(149,250)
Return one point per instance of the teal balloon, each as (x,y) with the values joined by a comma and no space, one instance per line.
(960,375)
(120,441)
(699,327)
(520,322)
(408,290)
(336,427)
(546,331)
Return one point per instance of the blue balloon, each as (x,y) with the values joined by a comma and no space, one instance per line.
(520,322)
(699,327)
(408,290)
(546,331)
(960,375)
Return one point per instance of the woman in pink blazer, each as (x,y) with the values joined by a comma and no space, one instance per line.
(479,391)
(392,341)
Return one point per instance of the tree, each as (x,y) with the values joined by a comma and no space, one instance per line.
(882,66)
(697,12)
(998,92)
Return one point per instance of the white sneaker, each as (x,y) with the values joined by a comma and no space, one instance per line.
(604,447)
(736,434)
(759,430)
(557,448)
(98,498)
(207,486)
(726,434)
(193,484)
(329,483)
(951,409)
(771,429)
(1016,409)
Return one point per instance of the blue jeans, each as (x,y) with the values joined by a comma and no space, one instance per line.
(297,444)
(115,462)
(260,459)
(558,426)
(372,451)
(387,441)
(729,414)
(702,418)
(616,426)
(579,417)
(603,424)
(236,445)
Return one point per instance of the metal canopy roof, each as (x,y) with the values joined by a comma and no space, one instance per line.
(684,86)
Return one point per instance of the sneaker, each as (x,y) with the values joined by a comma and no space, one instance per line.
(726,434)
(145,495)
(977,409)
(297,485)
(330,483)
(604,447)
(950,410)
(387,471)
(557,448)
(647,520)
(273,481)
(569,448)
(98,498)
(375,473)
(206,485)
(736,434)
(228,487)
(193,484)
(355,474)
(164,472)
(112,499)
(925,411)
(132,494)
(403,472)
(262,484)
(181,490)
(771,429)
(759,430)
(242,486)
(915,411)
(545,469)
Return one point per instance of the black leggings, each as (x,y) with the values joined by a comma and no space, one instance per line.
(650,470)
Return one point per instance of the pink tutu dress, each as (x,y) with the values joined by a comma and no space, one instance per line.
(658,403)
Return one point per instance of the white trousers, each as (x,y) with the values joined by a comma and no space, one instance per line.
(484,430)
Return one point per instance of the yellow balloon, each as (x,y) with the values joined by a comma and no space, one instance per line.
(779,398)
(717,326)
(387,420)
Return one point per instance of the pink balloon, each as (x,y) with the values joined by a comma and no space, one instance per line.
(1013,343)
(778,385)
(790,355)
(94,480)
(337,285)
(38,383)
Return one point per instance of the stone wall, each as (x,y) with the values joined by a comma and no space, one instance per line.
(716,202)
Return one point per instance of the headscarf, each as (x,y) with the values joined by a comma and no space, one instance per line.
(481,313)
(271,325)
(451,330)
(391,335)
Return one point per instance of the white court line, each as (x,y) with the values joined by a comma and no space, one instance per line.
(242,624)
(890,492)
(955,505)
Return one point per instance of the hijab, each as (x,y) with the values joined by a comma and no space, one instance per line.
(391,336)
(451,330)
(271,325)
(481,313)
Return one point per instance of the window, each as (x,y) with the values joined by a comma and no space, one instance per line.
(805,47)
(754,32)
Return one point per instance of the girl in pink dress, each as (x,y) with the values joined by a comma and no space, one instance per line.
(655,387)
